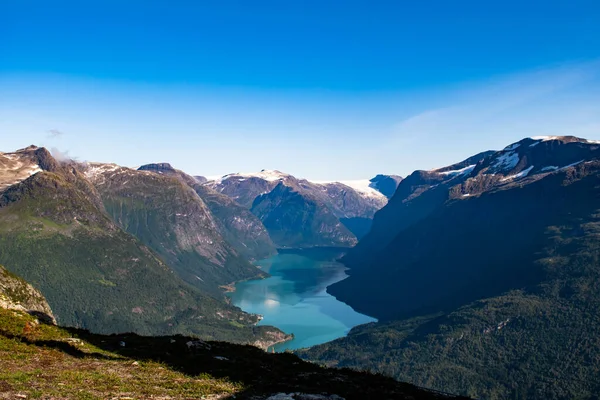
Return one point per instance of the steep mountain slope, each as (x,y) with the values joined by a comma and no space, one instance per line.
(94,275)
(483,201)
(386,184)
(242,229)
(296,220)
(238,226)
(416,197)
(492,292)
(353,202)
(170,218)
(245,188)
(337,207)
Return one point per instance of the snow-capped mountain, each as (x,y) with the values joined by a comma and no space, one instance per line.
(108,247)
(497,252)
(518,164)
(348,206)
(17,166)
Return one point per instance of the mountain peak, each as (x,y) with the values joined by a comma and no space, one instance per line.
(270,175)
(20,165)
(28,148)
(157,167)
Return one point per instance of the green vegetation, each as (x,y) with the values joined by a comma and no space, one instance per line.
(97,277)
(239,227)
(494,297)
(17,294)
(167,216)
(47,362)
(296,220)
(43,361)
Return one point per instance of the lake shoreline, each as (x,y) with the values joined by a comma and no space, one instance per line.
(294,298)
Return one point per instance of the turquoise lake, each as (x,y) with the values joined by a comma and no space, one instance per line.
(295,300)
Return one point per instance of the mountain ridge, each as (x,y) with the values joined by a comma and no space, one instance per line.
(492,284)
(55,233)
(341,206)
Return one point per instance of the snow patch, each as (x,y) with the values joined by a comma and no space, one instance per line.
(549,168)
(520,175)
(572,165)
(362,186)
(545,138)
(506,161)
(266,174)
(15,169)
(95,169)
(457,172)
(541,139)
(512,146)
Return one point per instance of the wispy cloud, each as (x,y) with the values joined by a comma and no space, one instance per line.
(538,101)
(62,156)
(487,115)
(55,133)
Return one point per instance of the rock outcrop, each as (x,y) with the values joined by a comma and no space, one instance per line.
(16,294)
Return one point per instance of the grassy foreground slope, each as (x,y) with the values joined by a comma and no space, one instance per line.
(47,362)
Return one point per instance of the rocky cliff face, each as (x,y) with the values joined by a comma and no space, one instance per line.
(294,219)
(415,198)
(168,216)
(16,167)
(242,229)
(16,294)
(236,224)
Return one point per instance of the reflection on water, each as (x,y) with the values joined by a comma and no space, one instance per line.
(295,300)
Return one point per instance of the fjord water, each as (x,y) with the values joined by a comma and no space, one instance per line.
(295,300)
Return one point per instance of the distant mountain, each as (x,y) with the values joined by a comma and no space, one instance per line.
(386,184)
(238,226)
(485,275)
(296,219)
(416,197)
(168,216)
(321,213)
(55,233)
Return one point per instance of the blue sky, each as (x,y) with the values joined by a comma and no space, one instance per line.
(319,89)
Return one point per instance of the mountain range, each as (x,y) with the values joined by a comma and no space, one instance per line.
(301,213)
(484,276)
(130,273)
(151,250)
